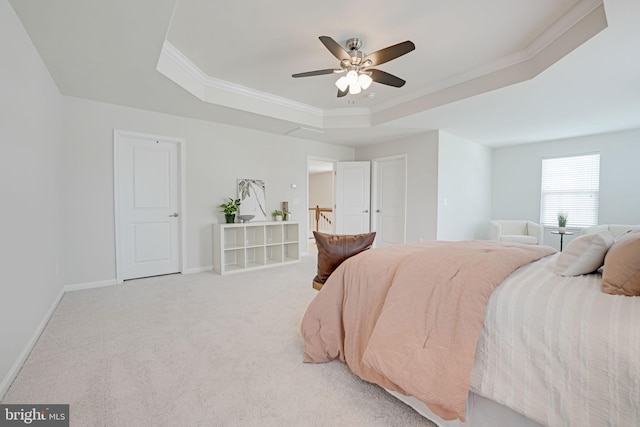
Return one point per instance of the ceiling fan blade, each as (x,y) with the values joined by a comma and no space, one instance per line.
(334,48)
(317,72)
(386,78)
(389,53)
(342,93)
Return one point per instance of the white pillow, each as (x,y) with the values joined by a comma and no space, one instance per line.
(584,254)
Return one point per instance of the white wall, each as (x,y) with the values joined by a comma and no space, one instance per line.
(517,169)
(216,156)
(30,113)
(321,190)
(464,189)
(422,180)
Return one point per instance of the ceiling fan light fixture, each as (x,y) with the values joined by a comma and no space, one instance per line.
(354,89)
(364,80)
(342,83)
(352,78)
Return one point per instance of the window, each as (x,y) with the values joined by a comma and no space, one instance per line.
(570,185)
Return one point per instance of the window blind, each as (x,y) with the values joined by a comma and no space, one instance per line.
(570,185)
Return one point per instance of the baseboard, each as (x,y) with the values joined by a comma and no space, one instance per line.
(111,282)
(199,269)
(13,372)
(90,285)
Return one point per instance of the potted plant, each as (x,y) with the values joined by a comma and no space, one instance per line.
(562,222)
(278,214)
(230,208)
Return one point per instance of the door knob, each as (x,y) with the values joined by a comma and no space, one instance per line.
(378,210)
(367,211)
(174,215)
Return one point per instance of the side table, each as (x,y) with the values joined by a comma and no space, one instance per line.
(562,233)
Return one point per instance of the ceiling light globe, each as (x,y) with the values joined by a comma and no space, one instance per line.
(364,80)
(352,78)
(342,84)
(354,89)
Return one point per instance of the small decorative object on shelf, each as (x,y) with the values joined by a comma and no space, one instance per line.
(246,218)
(285,211)
(230,208)
(562,222)
(277,215)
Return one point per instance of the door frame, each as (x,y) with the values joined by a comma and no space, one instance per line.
(182,219)
(319,159)
(374,191)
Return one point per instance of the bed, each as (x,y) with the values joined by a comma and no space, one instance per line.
(549,350)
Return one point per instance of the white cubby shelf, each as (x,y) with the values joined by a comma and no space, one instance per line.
(251,245)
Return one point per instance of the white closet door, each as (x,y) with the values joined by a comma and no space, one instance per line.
(148,207)
(389,182)
(353,197)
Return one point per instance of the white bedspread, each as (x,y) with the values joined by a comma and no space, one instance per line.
(560,351)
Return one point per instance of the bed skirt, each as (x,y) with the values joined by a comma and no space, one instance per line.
(480,411)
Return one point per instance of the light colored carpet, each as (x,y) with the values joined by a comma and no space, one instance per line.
(197,350)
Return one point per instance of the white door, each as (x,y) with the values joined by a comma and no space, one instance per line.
(353,190)
(147,206)
(389,182)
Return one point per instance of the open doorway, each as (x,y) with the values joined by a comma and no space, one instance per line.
(321,204)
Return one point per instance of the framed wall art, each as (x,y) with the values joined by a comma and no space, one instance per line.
(252,198)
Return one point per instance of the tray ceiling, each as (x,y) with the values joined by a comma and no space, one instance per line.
(222,62)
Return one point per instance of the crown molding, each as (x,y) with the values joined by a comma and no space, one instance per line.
(545,50)
(568,22)
(177,67)
(564,24)
(179,58)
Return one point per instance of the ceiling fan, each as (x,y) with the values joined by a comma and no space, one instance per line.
(358,65)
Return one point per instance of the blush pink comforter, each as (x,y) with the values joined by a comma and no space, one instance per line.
(408,317)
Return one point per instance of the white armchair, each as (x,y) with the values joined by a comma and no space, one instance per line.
(519,231)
